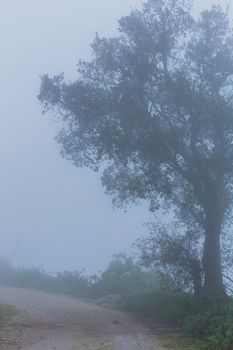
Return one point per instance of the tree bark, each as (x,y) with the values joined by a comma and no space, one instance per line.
(212,264)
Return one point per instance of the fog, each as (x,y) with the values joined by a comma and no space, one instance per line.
(53,214)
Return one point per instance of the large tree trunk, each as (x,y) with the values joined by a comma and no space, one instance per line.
(212,264)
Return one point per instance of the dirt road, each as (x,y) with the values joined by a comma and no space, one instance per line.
(52,322)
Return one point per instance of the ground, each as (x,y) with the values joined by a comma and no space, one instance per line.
(53,322)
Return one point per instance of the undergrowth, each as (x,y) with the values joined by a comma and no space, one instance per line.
(206,324)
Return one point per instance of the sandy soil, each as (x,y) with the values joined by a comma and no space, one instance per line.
(52,322)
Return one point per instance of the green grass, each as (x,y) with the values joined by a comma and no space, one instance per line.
(178,343)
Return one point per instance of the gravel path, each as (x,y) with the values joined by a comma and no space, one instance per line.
(51,322)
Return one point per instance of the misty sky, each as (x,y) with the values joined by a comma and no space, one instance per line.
(53,214)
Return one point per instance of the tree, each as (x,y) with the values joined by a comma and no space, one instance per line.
(153,108)
(176,254)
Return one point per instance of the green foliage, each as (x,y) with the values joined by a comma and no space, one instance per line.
(160,306)
(213,324)
(206,322)
(175,252)
(30,278)
(73,283)
(122,276)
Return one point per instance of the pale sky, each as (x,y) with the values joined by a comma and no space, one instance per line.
(51,213)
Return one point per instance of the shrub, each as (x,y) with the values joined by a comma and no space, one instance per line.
(214,325)
(209,321)
(168,307)
(123,276)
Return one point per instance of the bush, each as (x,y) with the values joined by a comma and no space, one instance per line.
(123,276)
(72,283)
(204,319)
(214,325)
(170,307)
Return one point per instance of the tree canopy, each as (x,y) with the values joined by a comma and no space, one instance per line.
(153,109)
